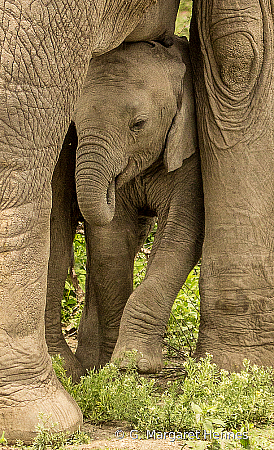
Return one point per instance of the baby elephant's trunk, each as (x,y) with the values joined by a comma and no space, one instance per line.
(95,183)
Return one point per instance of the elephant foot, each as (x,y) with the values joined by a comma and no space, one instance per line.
(72,365)
(21,404)
(236,322)
(231,358)
(149,358)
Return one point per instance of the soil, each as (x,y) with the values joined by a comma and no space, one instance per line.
(104,437)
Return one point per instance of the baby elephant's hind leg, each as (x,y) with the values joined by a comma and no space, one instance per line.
(64,219)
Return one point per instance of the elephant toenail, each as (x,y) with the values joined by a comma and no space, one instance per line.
(144,365)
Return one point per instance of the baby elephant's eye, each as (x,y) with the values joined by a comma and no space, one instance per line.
(138,125)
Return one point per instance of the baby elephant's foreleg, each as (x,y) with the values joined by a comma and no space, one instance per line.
(176,250)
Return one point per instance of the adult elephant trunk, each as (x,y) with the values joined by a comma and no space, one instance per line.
(97,165)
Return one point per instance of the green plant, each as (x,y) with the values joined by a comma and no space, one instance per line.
(78,438)
(183,325)
(3,440)
(183,18)
(206,399)
(58,366)
(139,270)
(246,429)
(235,398)
(73,297)
(206,423)
(112,395)
(140,263)
(48,435)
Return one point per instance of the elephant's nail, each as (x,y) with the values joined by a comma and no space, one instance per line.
(144,365)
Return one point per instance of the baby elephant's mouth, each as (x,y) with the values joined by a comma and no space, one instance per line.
(129,172)
(111,193)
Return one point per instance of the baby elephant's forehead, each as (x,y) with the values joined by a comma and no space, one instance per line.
(127,67)
(127,60)
(107,65)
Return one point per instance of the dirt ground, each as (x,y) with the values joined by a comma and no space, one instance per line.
(106,441)
(105,437)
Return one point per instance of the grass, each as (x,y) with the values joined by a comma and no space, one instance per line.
(72,302)
(203,399)
(182,330)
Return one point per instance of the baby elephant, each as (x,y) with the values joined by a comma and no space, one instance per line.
(136,160)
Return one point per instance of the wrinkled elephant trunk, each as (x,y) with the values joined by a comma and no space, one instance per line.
(95,183)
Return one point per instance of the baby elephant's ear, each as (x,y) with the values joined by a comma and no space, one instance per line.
(181,140)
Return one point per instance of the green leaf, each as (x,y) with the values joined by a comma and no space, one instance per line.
(218,422)
(207,424)
(245,443)
(71,301)
(196,408)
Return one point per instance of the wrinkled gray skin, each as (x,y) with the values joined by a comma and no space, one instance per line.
(176,199)
(136,108)
(232,52)
(159,21)
(45,51)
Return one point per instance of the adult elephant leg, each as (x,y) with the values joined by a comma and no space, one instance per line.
(63,222)
(232,51)
(28,385)
(40,79)
(110,255)
(176,250)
